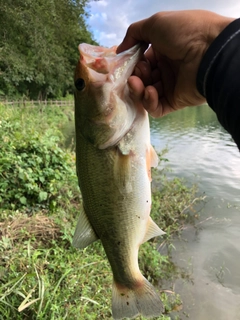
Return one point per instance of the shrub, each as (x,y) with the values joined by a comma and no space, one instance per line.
(33,168)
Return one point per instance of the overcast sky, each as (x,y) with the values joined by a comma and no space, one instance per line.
(109,19)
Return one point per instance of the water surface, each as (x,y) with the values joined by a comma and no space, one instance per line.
(202,152)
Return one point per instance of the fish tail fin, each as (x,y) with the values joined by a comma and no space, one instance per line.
(141,300)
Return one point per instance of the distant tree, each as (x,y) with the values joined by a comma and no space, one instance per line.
(38,46)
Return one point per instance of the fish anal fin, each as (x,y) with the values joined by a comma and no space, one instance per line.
(140,299)
(84,234)
(153,230)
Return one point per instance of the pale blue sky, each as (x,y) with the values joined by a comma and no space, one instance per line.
(109,19)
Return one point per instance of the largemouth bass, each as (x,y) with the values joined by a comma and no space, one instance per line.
(114,159)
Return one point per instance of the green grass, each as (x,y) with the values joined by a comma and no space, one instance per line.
(41,275)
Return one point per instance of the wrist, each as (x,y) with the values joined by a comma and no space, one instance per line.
(216,26)
(223,33)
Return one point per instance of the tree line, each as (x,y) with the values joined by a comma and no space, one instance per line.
(38,46)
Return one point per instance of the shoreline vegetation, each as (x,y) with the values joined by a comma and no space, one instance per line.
(41,275)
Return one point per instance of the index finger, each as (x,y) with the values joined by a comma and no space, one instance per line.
(136,33)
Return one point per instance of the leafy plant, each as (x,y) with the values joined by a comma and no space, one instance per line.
(34,170)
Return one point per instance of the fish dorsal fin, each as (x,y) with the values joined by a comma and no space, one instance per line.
(152,230)
(154,157)
(84,233)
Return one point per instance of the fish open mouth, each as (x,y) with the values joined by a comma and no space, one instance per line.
(106,74)
(97,58)
(105,61)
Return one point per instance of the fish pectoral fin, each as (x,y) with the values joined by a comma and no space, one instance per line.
(154,157)
(84,234)
(153,230)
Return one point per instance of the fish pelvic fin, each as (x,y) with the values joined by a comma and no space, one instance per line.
(84,234)
(151,160)
(154,157)
(153,230)
(141,300)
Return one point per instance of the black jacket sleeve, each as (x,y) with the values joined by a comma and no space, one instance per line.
(218,78)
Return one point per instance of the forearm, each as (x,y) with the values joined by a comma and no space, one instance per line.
(218,78)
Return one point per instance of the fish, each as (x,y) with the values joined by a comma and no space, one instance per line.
(114,157)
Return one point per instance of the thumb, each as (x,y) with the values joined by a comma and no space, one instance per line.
(136,33)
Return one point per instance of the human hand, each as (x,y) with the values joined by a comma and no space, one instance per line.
(166,80)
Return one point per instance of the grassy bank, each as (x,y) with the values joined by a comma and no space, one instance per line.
(41,275)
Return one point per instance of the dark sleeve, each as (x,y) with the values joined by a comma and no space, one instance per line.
(218,78)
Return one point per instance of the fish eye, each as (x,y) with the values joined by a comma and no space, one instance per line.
(80,84)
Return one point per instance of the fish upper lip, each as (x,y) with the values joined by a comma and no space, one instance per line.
(105,64)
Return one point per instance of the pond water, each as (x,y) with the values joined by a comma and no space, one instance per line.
(202,152)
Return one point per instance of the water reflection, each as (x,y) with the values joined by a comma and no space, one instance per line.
(200,148)
(201,151)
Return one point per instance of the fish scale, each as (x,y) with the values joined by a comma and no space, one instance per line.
(110,215)
(114,159)
(96,187)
